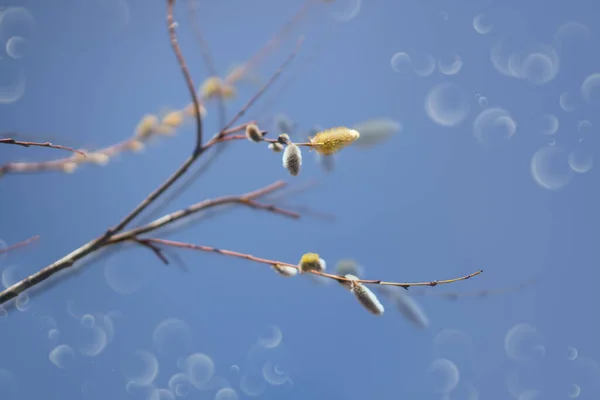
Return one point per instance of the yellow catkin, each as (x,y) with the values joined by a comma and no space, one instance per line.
(330,141)
(135,145)
(190,110)
(311,262)
(214,86)
(146,126)
(173,119)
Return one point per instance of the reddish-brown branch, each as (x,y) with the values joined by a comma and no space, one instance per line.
(326,275)
(19,244)
(39,144)
(95,245)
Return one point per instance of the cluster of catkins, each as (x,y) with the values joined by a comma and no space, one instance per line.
(326,143)
(313,262)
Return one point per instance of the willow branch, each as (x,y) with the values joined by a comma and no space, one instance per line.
(247,199)
(102,241)
(19,244)
(39,144)
(231,79)
(326,275)
(198,149)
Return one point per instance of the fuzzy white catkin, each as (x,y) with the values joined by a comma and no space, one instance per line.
(364,295)
(292,159)
(284,270)
(276,147)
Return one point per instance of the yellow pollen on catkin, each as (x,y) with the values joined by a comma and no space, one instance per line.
(146,126)
(135,145)
(173,119)
(190,110)
(311,262)
(330,141)
(214,86)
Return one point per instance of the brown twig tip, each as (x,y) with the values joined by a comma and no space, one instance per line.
(41,144)
(19,244)
(155,249)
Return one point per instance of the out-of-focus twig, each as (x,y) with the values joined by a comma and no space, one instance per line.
(19,244)
(40,144)
(476,293)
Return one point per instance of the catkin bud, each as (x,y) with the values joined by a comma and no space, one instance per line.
(367,298)
(173,119)
(146,126)
(214,86)
(312,262)
(191,111)
(332,140)
(276,147)
(135,145)
(284,138)
(292,159)
(284,270)
(69,167)
(364,295)
(97,158)
(253,133)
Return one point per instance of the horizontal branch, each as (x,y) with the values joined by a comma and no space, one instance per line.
(248,199)
(338,278)
(40,144)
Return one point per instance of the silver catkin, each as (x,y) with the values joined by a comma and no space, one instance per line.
(367,298)
(284,270)
(276,147)
(292,159)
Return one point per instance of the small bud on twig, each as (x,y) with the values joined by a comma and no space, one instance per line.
(146,125)
(253,133)
(284,270)
(284,138)
(173,119)
(276,147)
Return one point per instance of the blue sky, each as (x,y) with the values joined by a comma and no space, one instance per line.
(492,168)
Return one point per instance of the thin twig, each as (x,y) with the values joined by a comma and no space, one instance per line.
(477,293)
(231,79)
(188,182)
(198,149)
(155,249)
(220,136)
(95,245)
(326,275)
(39,144)
(19,244)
